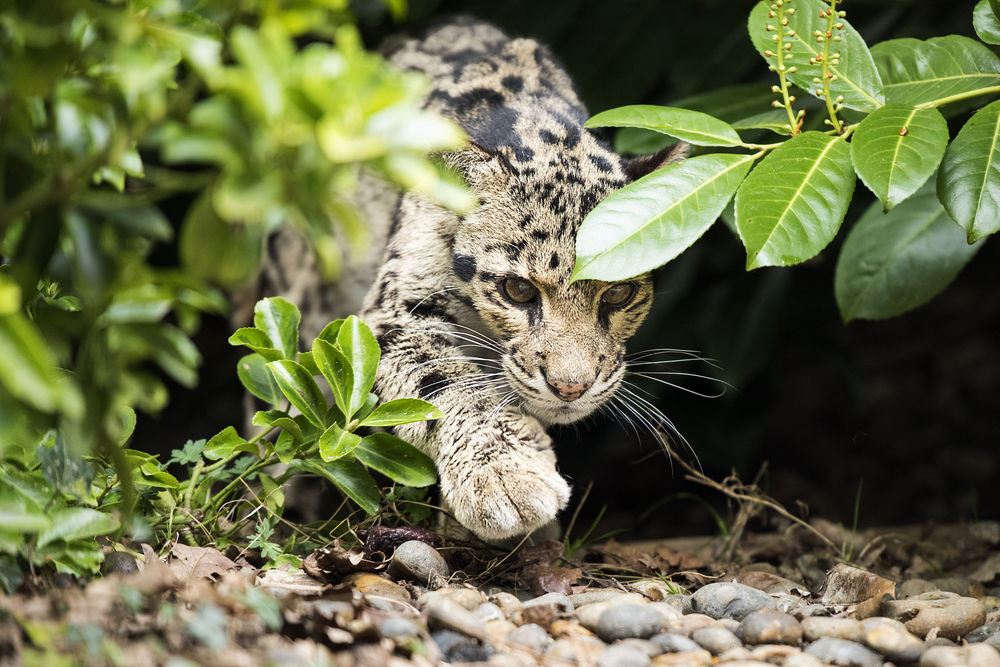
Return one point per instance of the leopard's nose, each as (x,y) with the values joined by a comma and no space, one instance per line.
(568,391)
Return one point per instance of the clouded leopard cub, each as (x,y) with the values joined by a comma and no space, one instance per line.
(476,313)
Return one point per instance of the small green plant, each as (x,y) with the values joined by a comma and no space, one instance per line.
(880,122)
(55,501)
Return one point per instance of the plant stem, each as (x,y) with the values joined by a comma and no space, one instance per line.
(959,97)
(786,99)
(828,76)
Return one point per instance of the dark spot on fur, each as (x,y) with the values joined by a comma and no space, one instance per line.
(388,339)
(513,83)
(601,163)
(515,249)
(548,137)
(430,382)
(554,262)
(540,235)
(464,267)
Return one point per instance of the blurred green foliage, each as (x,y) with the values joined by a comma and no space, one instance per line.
(247,115)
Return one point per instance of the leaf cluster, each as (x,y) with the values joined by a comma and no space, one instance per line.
(792,196)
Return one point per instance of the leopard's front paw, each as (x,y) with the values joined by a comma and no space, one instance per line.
(510,494)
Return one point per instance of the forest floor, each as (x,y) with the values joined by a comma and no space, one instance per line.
(925,595)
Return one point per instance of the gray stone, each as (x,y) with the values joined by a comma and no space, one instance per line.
(398,626)
(691,622)
(418,561)
(729,624)
(508,603)
(817,627)
(973,655)
(672,643)
(449,615)
(715,640)
(802,660)
(561,604)
(952,615)
(843,653)
(456,647)
(623,656)
(914,587)
(629,620)
(769,626)
(729,600)
(983,632)
(696,658)
(488,611)
(891,639)
(597,595)
(532,636)
(644,645)
(119,562)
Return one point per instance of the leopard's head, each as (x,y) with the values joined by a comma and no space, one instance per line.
(561,345)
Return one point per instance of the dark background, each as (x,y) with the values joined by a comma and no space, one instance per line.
(906,410)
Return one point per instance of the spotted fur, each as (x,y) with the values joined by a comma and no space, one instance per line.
(450,333)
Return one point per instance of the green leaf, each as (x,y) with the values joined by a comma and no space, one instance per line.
(27,369)
(256,340)
(929,72)
(893,262)
(278,419)
(775,120)
(331,331)
(402,411)
(791,206)
(649,222)
(308,362)
(63,468)
(691,126)
(337,443)
(253,373)
(969,179)
(279,319)
(361,349)
(300,389)
(336,368)
(897,148)
(351,478)
(855,75)
(396,459)
(226,443)
(22,515)
(78,522)
(986,22)
(216,250)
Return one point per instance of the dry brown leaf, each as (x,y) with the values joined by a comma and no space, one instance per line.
(850,585)
(196,562)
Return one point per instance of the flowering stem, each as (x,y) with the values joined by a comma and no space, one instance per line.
(832,34)
(779,11)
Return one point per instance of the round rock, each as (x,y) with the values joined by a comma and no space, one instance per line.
(729,600)
(416,560)
(769,626)
(398,626)
(623,656)
(953,616)
(119,562)
(891,639)
(532,636)
(817,627)
(715,640)
(843,653)
(456,647)
(670,642)
(629,620)
(973,655)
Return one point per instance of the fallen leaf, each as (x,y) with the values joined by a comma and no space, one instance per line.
(850,585)
(195,562)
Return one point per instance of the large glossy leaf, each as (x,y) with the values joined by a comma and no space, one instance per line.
(396,459)
(691,126)
(336,443)
(226,443)
(927,72)
(77,522)
(278,419)
(351,478)
(791,206)
(402,411)
(649,222)
(252,372)
(855,75)
(279,319)
(300,389)
(893,262)
(897,148)
(256,340)
(362,351)
(969,179)
(336,368)
(986,22)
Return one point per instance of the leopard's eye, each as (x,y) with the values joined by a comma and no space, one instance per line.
(618,295)
(519,290)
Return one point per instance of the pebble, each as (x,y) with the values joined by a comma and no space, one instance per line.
(716,640)
(590,614)
(670,642)
(467,598)
(983,632)
(729,600)
(691,622)
(597,595)
(488,611)
(576,650)
(629,620)
(623,656)
(456,647)
(532,636)
(119,562)
(498,630)
(735,654)
(802,660)
(850,585)
(769,626)
(398,626)
(973,655)
(891,639)
(816,627)
(843,652)
(560,603)
(419,561)
(448,614)
(508,603)
(372,584)
(654,589)
(561,627)
(953,616)
(651,649)
(774,653)
(696,658)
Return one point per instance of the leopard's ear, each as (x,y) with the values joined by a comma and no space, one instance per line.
(639,166)
(481,166)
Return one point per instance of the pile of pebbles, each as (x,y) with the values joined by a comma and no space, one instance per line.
(721,623)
